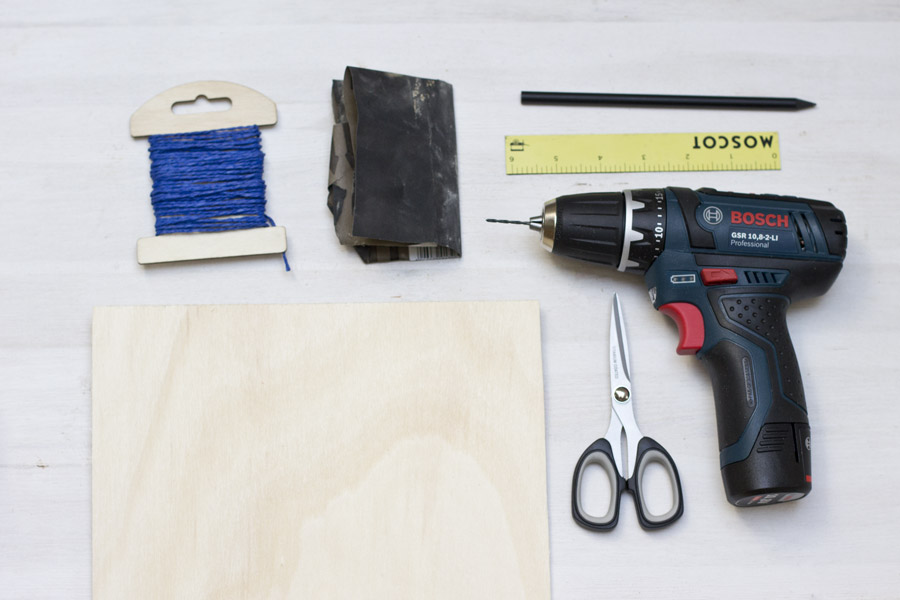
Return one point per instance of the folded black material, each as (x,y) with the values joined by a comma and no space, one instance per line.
(393,187)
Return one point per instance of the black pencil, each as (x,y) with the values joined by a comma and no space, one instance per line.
(660,100)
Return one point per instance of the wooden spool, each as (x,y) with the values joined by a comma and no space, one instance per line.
(155,117)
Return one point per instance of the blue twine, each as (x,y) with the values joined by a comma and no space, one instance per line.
(209,181)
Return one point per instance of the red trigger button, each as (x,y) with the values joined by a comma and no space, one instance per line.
(690,325)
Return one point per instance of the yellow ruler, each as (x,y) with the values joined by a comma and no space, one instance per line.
(642,152)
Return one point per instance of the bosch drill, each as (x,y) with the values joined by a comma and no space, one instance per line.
(725,267)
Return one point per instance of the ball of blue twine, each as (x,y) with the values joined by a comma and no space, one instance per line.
(209,181)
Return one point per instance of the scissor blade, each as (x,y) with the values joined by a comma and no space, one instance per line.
(619,367)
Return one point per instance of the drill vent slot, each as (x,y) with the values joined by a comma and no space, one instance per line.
(763,277)
(840,226)
(799,233)
(815,247)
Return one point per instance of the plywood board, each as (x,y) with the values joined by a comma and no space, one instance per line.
(319,451)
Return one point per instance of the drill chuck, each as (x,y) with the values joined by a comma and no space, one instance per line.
(625,230)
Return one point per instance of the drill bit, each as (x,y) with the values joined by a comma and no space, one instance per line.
(533,223)
(507,222)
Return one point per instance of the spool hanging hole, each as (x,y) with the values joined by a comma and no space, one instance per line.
(201,104)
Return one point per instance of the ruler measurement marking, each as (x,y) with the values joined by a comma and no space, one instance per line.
(635,153)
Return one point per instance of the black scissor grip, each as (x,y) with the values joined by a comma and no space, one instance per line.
(599,453)
(649,450)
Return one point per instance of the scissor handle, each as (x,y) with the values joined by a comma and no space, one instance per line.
(649,450)
(599,453)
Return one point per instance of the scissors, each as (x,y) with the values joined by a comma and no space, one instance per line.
(607,451)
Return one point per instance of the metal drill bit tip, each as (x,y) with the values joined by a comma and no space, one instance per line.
(507,222)
(534,223)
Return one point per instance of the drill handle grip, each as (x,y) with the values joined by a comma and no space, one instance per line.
(760,407)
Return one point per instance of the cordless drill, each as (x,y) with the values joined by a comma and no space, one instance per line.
(725,267)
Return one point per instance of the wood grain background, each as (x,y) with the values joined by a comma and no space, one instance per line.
(319,451)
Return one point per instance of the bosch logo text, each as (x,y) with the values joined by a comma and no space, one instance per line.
(759,219)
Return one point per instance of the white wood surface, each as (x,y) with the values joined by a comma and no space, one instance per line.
(319,451)
(75,196)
